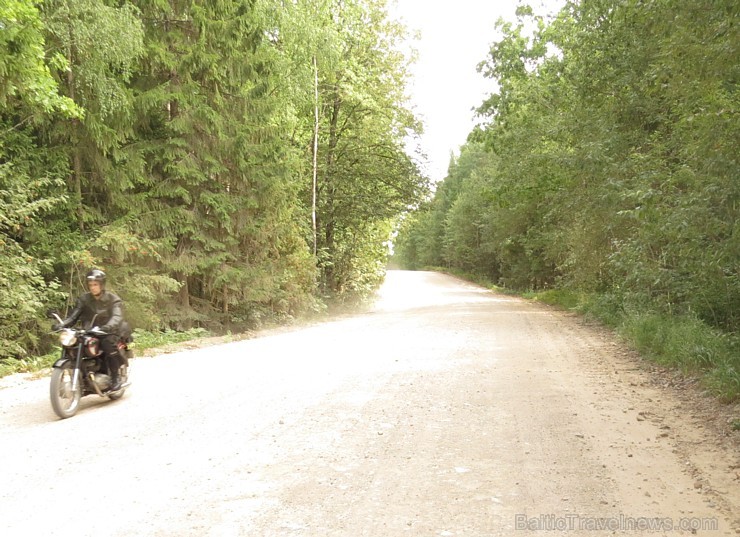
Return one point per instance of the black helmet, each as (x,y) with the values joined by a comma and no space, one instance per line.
(96,275)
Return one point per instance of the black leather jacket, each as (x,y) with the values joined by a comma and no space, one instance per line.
(106,312)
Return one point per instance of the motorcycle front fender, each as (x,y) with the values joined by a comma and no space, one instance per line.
(62,362)
(65,359)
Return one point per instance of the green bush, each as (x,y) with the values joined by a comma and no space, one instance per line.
(724,380)
(683,342)
(29,364)
(559,297)
(690,345)
(144,339)
(606,308)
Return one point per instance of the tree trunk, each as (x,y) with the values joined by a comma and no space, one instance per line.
(184,293)
(329,226)
(183,297)
(315,154)
(76,158)
(77,179)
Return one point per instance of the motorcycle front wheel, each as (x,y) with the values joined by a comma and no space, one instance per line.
(64,400)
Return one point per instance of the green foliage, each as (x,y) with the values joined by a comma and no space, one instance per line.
(611,163)
(30,364)
(607,308)
(685,342)
(171,144)
(24,76)
(364,176)
(691,345)
(29,175)
(563,298)
(23,290)
(145,339)
(360,261)
(220,200)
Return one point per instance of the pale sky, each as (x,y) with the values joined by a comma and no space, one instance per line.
(455,37)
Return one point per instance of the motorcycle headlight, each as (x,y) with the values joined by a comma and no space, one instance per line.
(67,337)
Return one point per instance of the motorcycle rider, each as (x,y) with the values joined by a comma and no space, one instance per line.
(105,309)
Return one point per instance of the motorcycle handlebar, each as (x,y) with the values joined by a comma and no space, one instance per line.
(95,331)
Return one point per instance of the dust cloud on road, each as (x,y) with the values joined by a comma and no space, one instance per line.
(445,410)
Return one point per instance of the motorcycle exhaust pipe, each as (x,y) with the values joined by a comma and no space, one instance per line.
(95,385)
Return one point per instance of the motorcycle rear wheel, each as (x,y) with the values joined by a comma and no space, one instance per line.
(64,400)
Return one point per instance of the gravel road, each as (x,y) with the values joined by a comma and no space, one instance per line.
(445,410)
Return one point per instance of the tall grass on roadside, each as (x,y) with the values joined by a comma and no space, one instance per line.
(691,346)
(569,300)
(144,339)
(9,366)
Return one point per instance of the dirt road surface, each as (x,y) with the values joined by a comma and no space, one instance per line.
(446,410)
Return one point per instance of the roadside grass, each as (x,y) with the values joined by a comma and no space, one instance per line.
(143,340)
(680,342)
(690,345)
(557,297)
(31,364)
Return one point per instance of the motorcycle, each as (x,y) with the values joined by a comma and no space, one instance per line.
(82,369)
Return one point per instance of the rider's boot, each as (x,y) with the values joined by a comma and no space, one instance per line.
(114,366)
(115,381)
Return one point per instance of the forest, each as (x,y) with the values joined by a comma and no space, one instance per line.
(233,162)
(603,175)
(225,162)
